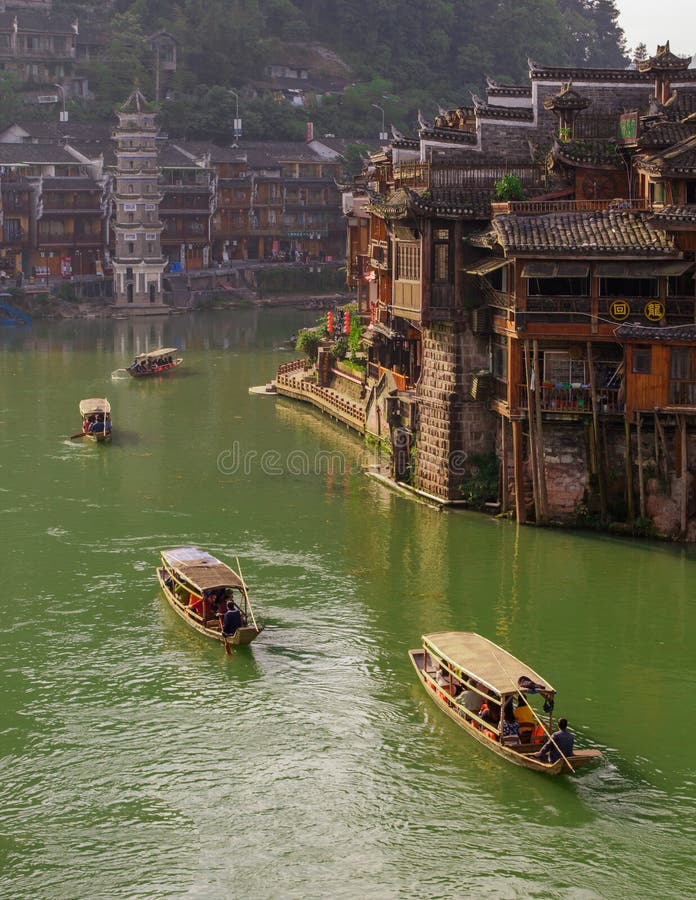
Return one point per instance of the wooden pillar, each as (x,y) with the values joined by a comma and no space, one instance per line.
(630,503)
(518,468)
(597,455)
(641,480)
(532,436)
(539,434)
(503,466)
(684,473)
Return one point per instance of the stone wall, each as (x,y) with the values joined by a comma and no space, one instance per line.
(452,426)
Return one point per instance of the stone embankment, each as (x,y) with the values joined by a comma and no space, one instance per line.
(297,379)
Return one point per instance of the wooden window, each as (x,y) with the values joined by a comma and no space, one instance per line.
(641,359)
(500,357)
(408,261)
(682,376)
(441,255)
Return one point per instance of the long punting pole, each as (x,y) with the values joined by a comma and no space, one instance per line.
(246,594)
(533,711)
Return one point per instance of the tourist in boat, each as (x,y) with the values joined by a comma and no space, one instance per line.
(523,714)
(510,724)
(471,699)
(560,744)
(232,619)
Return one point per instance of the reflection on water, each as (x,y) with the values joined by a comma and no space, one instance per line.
(139,759)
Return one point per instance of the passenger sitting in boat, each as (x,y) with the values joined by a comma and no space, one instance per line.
(87,423)
(471,699)
(232,619)
(522,711)
(561,742)
(510,725)
(195,603)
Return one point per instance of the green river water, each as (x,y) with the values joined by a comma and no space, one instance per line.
(138,760)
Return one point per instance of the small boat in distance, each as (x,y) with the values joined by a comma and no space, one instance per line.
(198,587)
(96,420)
(476,683)
(154,362)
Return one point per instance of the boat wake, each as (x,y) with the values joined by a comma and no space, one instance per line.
(119,374)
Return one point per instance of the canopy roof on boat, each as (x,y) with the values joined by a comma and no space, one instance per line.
(200,569)
(484,661)
(155,354)
(94,405)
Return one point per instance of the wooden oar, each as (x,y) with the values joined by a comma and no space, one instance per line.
(74,437)
(224,641)
(546,731)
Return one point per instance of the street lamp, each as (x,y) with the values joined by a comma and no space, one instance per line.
(63,113)
(237,121)
(383,133)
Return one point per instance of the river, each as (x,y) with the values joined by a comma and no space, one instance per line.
(138,760)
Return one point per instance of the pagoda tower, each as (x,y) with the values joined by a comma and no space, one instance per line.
(138,262)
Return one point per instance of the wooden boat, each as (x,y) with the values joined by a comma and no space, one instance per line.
(453,664)
(154,362)
(197,587)
(96,420)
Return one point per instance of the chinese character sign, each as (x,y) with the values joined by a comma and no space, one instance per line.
(620,310)
(654,310)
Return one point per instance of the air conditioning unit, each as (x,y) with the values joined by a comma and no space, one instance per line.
(481,320)
(47,98)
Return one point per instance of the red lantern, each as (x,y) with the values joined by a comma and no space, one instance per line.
(346,322)
(329,322)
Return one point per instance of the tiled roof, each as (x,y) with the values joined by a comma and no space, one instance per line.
(449,135)
(670,334)
(458,204)
(170,157)
(45,132)
(572,73)
(664,134)
(282,151)
(80,183)
(35,153)
(605,232)
(664,60)
(95,150)
(685,215)
(680,159)
(567,98)
(217,154)
(485,110)
(36,21)
(588,152)
(495,89)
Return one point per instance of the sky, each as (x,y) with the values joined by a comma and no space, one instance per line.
(654,23)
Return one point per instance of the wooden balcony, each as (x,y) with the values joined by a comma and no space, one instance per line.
(530,207)
(376,371)
(574,399)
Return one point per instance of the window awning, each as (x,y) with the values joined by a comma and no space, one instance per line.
(556,270)
(403,233)
(484,266)
(642,270)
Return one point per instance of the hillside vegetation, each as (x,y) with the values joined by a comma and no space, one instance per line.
(402,54)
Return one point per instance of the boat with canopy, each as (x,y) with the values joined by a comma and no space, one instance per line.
(198,587)
(495,698)
(154,362)
(96,420)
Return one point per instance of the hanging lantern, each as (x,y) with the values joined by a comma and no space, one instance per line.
(346,322)
(329,322)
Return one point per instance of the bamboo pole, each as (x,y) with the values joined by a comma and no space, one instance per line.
(532,440)
(641,485)
(665,451)
(598,467)
(630,501)
(539,432)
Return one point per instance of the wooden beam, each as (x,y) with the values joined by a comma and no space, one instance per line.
(598,467)
(630,502)
(539,434)
(503,466)
(532,440)
(641,485)
(518,468)
(684,475)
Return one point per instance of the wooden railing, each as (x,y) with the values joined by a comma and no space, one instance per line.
(555,206)
(569,399)
(332,402)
